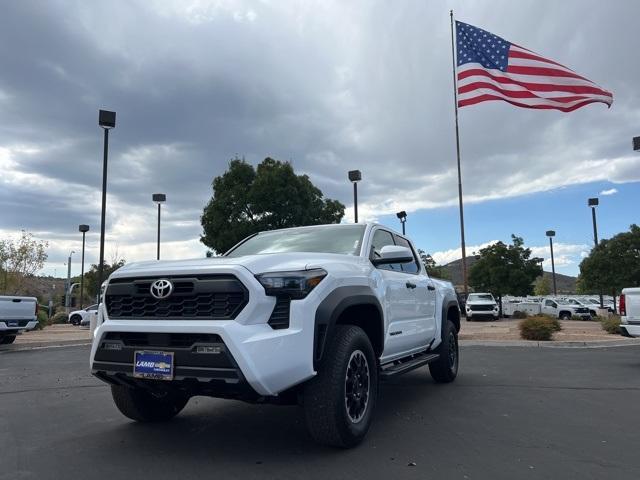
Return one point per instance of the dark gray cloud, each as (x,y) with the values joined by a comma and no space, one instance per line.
(329,86)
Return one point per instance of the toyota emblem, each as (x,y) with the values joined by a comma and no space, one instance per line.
(161,289)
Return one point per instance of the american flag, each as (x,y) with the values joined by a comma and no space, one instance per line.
(491,68)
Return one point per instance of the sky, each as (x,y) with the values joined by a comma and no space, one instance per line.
(330,86)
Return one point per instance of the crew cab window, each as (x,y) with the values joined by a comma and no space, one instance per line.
(382,238)
(413,267)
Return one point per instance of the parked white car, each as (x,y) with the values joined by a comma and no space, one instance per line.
(17,314)
(481,305)
(82,317)
(562,309)
(629,306)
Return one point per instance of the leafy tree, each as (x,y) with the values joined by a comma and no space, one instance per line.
(505,269)
(247,200)
(91,277)
(542,286)
(19,259)
(613,264)
(433,270)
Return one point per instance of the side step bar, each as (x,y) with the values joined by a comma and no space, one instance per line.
(406,365)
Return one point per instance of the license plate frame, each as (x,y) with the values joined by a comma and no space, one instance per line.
(153,364)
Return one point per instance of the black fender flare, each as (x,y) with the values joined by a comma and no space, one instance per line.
(448,302)
(333,306)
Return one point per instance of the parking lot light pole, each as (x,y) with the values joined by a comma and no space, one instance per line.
(551,234)
(159,198)
(355,176)
(84,229)
(107,121)
(403,219)
(593,203)
(67,292)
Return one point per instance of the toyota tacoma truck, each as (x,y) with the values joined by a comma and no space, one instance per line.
(17,314)
(312,315)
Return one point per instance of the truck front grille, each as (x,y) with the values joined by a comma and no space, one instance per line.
(202,297)
(481,308)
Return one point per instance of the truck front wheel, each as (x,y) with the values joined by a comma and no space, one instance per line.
(143,406)
(7,339)
(339,402)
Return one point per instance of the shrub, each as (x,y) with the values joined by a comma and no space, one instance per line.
(538,328)
(60,317)
(43,320)
(557,326)
(519,314)
(610,324)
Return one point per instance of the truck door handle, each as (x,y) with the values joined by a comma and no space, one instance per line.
(431,287)
(410,285)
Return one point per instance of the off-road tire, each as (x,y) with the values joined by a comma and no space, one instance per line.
(7,339)
(325,397)
(143,406)
(445,369)
(565,316)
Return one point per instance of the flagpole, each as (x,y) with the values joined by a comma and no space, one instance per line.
(455,101)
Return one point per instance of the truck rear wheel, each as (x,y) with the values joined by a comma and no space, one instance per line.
(445,369)
(7,339)
(143,406)
(340,401)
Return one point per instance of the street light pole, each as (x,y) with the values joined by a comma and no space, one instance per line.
(355,176)
(551,234)
(159,198)
(403,218)
(107,121)
(84,229)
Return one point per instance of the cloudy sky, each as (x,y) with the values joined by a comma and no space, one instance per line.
(330,86)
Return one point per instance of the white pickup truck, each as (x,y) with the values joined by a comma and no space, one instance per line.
(311,315)
(562,309)
(17,314)
(629,307)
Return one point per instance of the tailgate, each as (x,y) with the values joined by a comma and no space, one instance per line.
(632,301)
(17,308)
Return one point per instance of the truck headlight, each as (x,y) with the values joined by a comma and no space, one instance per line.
(294,285)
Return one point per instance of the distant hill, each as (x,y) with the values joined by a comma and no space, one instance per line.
(44,288)
(565,283)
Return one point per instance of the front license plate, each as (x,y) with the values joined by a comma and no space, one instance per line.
(155,365)
(12,323)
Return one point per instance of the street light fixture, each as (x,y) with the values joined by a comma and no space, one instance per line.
(355,176)
(84,229)
(159,198)
(403,218)
(636,144)
(107,121)
(593,203)
(551,234)
(67,290)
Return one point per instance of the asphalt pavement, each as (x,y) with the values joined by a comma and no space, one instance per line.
(513,413)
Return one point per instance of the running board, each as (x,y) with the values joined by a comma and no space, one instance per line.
(403,366)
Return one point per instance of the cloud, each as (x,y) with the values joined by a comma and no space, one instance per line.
(331,86)
(611,191)
(447,256)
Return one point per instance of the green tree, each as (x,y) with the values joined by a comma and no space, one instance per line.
(247,200)
(542,286)
(438,271)
(612,265)
(91,277)
(19,259)
(505,269)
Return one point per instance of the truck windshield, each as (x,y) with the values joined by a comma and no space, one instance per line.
(475,296)
(343,239)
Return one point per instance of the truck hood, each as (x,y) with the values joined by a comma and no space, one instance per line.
(273,262)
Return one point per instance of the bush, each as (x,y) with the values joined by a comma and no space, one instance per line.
(43,320)
(610,324)
(60,317)
(540,327)
(519,314)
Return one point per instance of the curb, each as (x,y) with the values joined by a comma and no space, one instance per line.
(549,344)
(44,345)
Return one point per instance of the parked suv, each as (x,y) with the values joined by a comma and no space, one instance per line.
(311,315)
(481,305)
